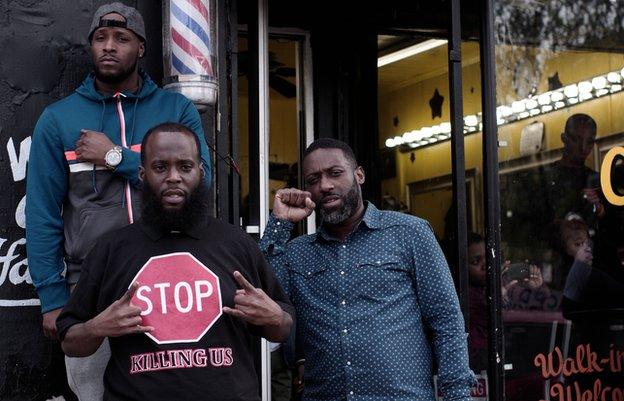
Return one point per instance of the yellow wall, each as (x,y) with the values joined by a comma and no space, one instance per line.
(411,105)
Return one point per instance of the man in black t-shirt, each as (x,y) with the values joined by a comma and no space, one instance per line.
(179,294)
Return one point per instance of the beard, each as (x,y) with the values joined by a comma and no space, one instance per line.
(115,78)
(193,211)
(350,203)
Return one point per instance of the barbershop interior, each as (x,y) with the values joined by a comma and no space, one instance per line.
(553,163)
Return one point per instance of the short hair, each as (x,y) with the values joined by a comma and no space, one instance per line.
(578,120)
(474,238)
(565,227)
(169,126)
(330,143)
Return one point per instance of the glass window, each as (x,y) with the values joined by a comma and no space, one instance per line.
(559,69)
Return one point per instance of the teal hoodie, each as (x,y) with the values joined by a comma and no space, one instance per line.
(69,204)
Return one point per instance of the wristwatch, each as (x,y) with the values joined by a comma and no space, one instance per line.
(113,157)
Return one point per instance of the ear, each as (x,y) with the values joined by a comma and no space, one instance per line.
(141,49)
(202,172)
(141,174)
(360,177)
(563,137)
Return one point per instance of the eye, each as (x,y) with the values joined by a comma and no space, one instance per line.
(335,173)
(311,181)
(186,167)
(159,168)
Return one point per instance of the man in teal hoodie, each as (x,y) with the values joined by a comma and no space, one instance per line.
(83,167)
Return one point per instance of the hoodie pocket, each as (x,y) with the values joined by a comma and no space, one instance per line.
(94,222)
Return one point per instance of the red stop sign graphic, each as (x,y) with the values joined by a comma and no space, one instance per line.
(178,296)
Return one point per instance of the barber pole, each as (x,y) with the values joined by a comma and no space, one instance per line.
(189,48)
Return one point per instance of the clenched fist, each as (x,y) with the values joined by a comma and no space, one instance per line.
(293,204)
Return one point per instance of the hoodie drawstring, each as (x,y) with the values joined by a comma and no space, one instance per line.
(122,126)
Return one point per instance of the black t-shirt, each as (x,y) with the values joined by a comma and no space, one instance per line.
(218,366)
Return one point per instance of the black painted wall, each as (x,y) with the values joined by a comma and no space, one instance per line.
(44,56)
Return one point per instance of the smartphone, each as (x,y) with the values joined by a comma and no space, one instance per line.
(517,271)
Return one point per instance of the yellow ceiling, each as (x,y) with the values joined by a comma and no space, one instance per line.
(422,66)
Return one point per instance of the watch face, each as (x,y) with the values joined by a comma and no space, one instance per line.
(113,158)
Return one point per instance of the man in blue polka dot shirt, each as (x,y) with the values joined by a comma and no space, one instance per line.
(376,307)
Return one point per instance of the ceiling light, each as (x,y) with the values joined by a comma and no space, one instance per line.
(543,99)
(505,111)
(518,107)
(614,77)
(409,136)
(471,120)
(585,96)
(571,91)
(546,102)
(530,104)
(585,87)
(409,51)
(599,82)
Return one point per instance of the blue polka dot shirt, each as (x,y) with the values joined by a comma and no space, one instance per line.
(375,313)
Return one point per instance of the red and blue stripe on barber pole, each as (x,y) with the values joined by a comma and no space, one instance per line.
(190,38)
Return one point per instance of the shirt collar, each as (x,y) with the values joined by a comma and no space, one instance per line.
(156,232)
(371,219)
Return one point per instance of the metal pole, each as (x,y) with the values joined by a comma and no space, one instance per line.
(223,139)
(491,202)
(263,156)
(259,147)
(457,154)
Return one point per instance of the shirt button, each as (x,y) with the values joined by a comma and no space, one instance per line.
(344,246)
(343,302)
(348,363)
(279,222)
(309,273)
(274,231)
(341,273)
(378,262)
(344,331)
(350,392)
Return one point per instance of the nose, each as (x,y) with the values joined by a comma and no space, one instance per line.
(173,176)
(109,44)
(326,184)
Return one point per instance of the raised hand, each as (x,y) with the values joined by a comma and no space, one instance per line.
(254,306)
(92,147)
(293,204)
(120,318)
